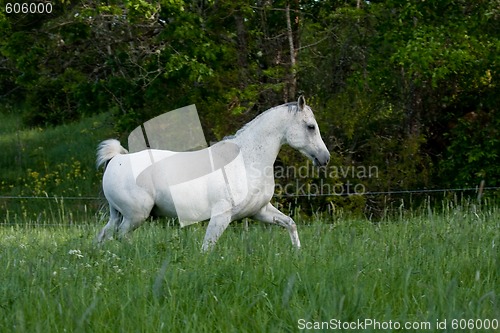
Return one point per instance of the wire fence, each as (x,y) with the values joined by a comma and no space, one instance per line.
(478,189)
(52,197)
(46,210)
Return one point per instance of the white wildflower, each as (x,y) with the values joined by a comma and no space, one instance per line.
(118,270)
(76,253)
(98,284)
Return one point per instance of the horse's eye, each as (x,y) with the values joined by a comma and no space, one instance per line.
(311,127)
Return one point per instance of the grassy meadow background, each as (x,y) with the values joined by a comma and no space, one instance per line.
(439,261)
(419,268)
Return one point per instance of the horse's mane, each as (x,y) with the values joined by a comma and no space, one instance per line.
(292,106)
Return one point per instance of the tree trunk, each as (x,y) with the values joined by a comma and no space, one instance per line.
(292,80)
(242,46)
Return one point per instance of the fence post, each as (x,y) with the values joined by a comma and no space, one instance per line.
(480,191)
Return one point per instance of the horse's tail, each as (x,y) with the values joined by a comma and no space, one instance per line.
(107,150)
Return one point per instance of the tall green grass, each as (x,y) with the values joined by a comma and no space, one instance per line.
(422,267)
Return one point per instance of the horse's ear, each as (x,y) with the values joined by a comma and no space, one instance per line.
(301,102)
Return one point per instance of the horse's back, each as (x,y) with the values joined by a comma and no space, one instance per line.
(186,184)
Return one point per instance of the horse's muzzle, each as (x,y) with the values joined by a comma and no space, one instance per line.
(322,159)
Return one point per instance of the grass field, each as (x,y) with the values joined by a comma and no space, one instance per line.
(438,272)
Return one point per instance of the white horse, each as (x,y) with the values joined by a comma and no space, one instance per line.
(229,181)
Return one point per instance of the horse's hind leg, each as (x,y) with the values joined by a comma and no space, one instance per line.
(129,224)
(271,214)
(111,227)
(135,214)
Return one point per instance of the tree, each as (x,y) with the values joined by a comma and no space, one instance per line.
(408,86)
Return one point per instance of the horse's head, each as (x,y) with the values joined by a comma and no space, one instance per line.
(303,134)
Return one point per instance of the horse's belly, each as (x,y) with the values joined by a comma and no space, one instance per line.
(187,212)
(195,199)
(191,203)
(190,185)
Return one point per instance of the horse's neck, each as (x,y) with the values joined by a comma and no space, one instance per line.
(261,139)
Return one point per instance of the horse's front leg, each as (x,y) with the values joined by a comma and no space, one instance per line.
(220,219)
(271,214)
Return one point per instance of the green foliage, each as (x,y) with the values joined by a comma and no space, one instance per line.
(56,100)
(472,155)
(391,81)
(394,76)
